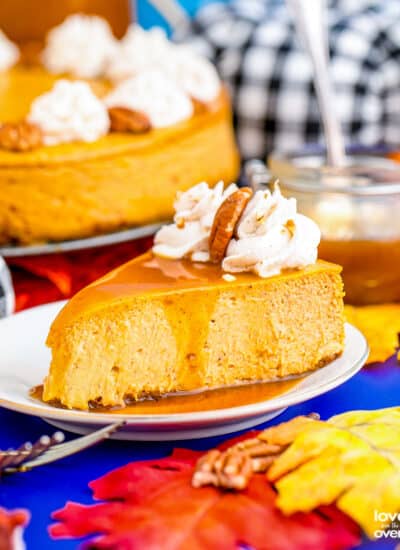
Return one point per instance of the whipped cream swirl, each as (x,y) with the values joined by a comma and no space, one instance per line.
(139,51)
(272,236)
(195,210)
(82,46)
(155,95)
(9,52)
(69,112)
(196,75)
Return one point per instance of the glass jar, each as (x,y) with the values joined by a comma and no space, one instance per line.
(358,211)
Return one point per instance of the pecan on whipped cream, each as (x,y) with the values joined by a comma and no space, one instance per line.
(82,45)
(262,233)
(9,53)
(188,236)
(225,221)
(69,112)
(155,95)
(272,236)
(20,136)
(126,120)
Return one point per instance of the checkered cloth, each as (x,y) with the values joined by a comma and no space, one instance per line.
(255,48)
(7,298)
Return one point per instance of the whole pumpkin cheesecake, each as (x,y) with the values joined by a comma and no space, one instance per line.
(99,134)
(231,293)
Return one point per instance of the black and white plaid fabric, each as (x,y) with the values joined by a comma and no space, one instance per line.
(7,299)
(255,48)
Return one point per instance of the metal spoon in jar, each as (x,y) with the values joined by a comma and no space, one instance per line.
(309,22)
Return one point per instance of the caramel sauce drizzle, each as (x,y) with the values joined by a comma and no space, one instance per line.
(205,400)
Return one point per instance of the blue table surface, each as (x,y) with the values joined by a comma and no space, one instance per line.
(48,488)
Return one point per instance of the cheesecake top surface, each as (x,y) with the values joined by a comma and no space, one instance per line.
(152,275)
(21,85)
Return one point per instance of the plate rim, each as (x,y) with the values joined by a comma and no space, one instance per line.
(74,245)
(181,433)
(218,415)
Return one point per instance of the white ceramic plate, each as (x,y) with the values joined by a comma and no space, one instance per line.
(81,244)
(24,361)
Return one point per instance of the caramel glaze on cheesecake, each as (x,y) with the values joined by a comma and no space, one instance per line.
(156,326)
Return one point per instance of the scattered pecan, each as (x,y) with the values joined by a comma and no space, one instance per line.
(126,120)
(233,468)
(226,218)
(20,136)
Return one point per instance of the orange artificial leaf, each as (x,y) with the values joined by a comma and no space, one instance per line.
(381,326)
(153,505)
(395,156)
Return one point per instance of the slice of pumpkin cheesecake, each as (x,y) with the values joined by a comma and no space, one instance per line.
(172,320)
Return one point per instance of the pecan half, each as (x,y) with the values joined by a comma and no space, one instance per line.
(20,136)
(225,221)
(233,468)
(126,120)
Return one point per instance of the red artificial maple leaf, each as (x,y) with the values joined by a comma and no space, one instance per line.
(46,278)
(151,505)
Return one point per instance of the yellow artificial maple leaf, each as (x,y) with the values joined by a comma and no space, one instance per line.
(353,459)
(380,324)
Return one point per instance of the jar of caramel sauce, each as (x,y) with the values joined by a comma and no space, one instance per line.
(371,269)
(358,211)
